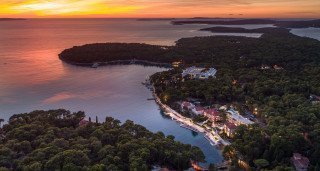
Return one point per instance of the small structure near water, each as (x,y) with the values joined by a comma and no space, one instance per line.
(300,162)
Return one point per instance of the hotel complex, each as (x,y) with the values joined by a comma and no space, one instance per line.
(199,73)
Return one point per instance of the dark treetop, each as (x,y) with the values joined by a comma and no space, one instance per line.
(54,140)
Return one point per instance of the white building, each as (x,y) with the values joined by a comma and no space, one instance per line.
(199,73)
(185,106)
(237,119)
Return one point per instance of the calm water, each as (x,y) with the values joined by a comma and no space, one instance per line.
(32,77)
(307,32)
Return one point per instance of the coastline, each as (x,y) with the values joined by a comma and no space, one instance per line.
(209,135)
(120,62)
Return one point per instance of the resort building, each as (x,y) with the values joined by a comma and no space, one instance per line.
(229,129)
(176,64)
(277,67)
(199,73)
(314,99)
(212,114)
(83,122)
(264,67)
(185,106)
(300,162)
(224,108)
(198,110)
(237,119)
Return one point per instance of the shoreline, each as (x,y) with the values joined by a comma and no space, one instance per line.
(119,62)
(209,135)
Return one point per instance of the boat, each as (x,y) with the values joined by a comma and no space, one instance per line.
(147,83)
(188,127)
(166,113)
(95,65)
(133,61)
(174,119)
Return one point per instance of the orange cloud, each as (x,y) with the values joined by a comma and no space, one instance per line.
(160,8)
(65,8)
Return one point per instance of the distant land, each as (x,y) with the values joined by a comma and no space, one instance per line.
(11,19)
(155,19)
(283,24)
(244,30)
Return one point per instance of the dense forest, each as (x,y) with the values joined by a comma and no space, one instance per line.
(281,93)
(106,52)
(54,140)
(276,46)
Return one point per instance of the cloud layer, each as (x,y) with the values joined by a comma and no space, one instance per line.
(160,8)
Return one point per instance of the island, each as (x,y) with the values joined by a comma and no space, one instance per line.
(11,19)
(61,140)
(278,23)
(243,30)
(260,105)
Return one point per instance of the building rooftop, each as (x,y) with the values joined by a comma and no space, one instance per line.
(83,122)
(186,104)
(197,72)
(236,116)
(300,162)
(213,112)
(230,125)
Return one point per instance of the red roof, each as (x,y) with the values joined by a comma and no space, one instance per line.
(83,122)
(230,125)
(186,104)
(213,112)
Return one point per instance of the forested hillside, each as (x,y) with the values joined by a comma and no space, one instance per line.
(54,140)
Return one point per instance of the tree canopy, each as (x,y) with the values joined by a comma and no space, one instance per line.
(54,140)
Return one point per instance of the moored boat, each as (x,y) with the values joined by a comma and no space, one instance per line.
(95,65)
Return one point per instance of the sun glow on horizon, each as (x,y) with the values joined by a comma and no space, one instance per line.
(65,8)
(160,8)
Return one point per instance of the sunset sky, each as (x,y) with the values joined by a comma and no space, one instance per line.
(161,8)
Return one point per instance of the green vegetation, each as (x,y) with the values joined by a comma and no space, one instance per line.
(53,140)
(106,52)
(280,95)
(276,46)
